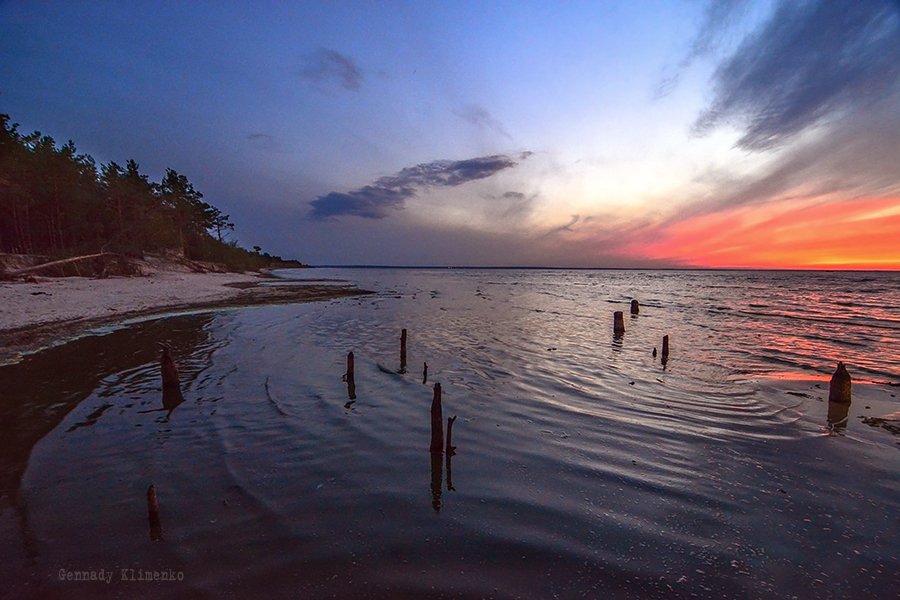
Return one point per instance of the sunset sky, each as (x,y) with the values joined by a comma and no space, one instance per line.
(594,134)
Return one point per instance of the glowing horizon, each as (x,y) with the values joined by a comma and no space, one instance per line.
(860,235)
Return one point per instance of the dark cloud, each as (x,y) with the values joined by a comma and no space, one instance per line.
(325,66)
(481,118)
(811,60)
(262,141)
(375,201)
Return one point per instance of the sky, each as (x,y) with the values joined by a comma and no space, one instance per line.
(666,133)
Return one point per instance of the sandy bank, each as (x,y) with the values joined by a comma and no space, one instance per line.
(33,315)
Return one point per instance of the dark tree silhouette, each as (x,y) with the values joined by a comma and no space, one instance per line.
(54,201)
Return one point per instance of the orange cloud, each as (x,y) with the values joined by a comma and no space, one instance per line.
(862,234)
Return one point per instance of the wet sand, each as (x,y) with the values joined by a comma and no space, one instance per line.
(54,310)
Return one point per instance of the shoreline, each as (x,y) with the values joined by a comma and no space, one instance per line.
(51,311)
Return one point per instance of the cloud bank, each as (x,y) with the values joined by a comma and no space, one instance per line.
(375,201)
(810,61)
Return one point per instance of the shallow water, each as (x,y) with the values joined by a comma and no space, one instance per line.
(584,467)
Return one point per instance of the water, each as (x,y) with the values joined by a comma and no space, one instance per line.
(584,467)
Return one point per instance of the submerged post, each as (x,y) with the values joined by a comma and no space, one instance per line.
(665,349)
(841,385)
(169,369)
(618,323)
(153,515)
(403,350)
(635,307)
(425,374)
(437,422)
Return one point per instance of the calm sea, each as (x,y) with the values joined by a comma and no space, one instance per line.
(584,466)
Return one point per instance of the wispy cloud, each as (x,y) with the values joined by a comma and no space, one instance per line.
(327,66)
(718,20)
(375,201)
(567,227)
(809,61)
(481,118)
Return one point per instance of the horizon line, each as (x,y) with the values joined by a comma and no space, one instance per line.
(544,268)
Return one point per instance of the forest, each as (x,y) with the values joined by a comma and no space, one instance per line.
(56,202)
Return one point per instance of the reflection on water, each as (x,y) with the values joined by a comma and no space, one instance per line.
(437,480)
(588,468)
(156,534)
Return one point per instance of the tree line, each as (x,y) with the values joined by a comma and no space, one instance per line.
(56,202)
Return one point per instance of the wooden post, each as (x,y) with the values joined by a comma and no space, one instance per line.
(349,374)
(153,515)
(425,374)
(635,307)
(437,422)
(665,350)
(841,387)
(618,323)
(403,351)
(351,381)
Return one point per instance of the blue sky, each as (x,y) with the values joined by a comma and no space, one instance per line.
(576,134)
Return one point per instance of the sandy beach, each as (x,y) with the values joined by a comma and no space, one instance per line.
(35,315)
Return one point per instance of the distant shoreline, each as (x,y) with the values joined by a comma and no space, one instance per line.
(523,268)
(54,310)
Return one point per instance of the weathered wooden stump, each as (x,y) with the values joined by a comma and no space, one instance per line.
(635,307)
(838,415)
(841,386)
(618,323)
(425,374)
(437,422)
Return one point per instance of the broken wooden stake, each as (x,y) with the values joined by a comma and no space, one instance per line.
(451,449)
(437,422)
(841,386)
(153,515)
(618,323)
(425,374)
(403,351)
(635,307)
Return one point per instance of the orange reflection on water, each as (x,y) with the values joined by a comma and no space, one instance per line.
(861,234)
